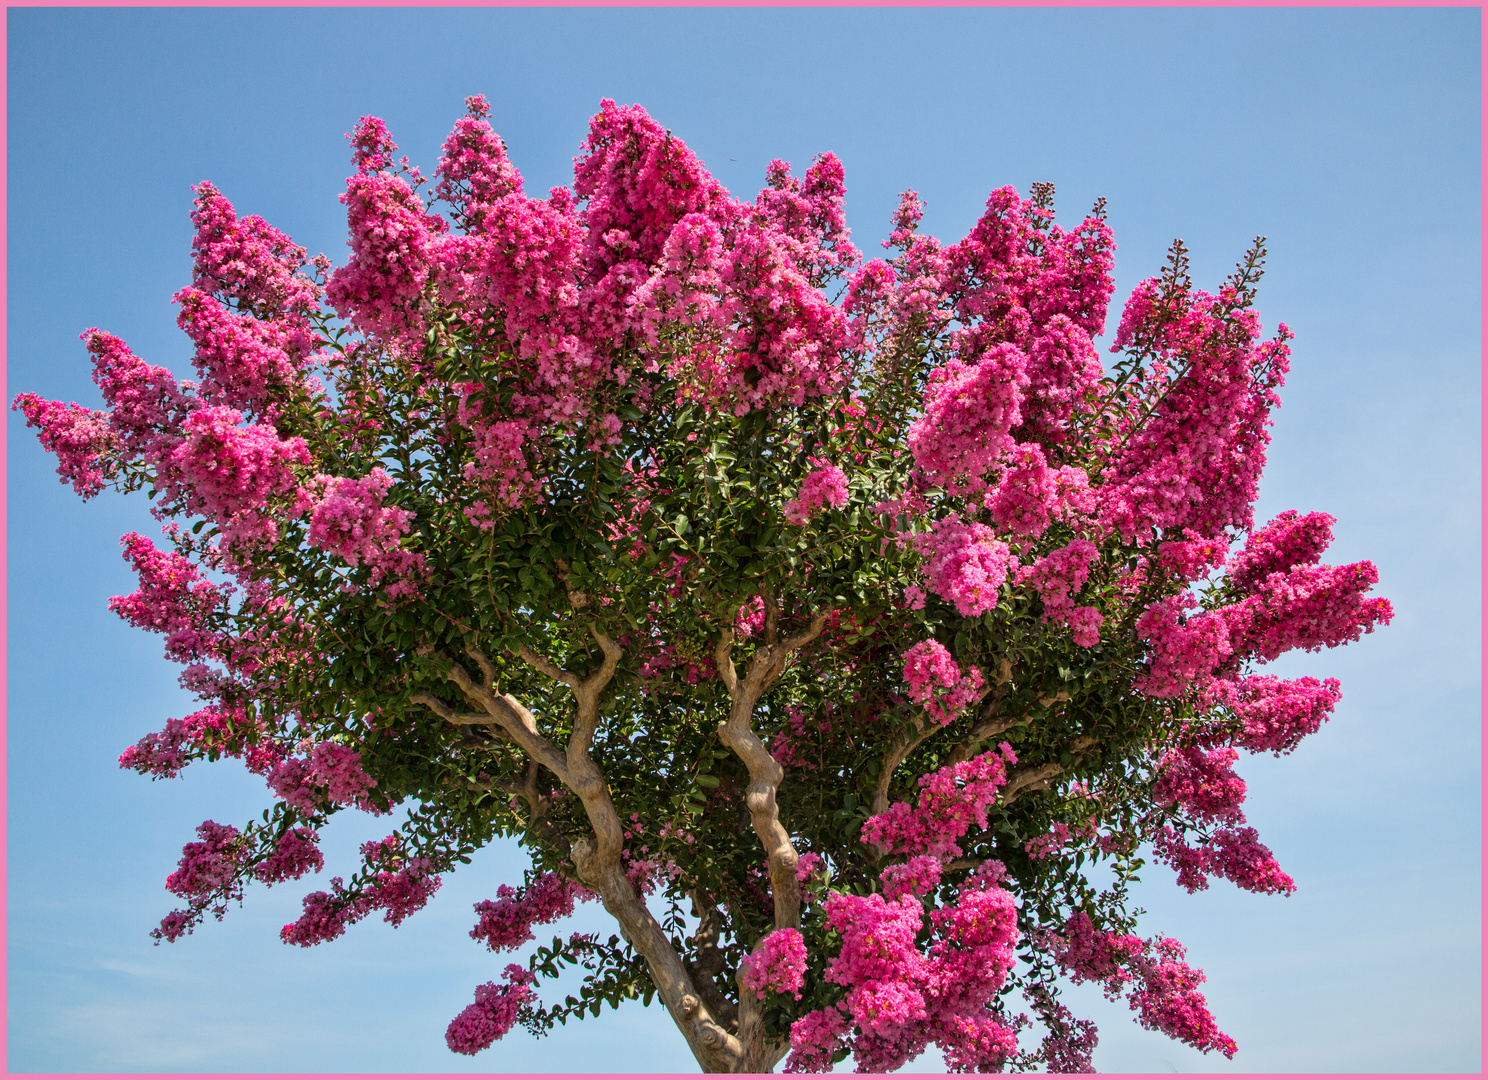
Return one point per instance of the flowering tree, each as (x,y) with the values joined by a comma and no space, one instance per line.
(840,626)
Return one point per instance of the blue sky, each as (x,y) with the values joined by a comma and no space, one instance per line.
(1349,137)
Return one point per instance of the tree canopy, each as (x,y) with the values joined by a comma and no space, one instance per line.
(844,627)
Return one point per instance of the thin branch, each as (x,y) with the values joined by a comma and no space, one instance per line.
(548,668)
(765,773)
(1035,778)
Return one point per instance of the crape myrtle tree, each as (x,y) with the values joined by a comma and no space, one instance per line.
(844,628)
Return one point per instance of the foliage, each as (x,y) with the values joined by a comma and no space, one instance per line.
(852,608)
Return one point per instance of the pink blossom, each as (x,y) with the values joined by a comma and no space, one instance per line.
(492,1014)
(146,406)
(1201,783)
(324,918)
(507,921)
(1194,556)
(165,753)
(1182,653)
(394,244)
(937,684)
(878,942)
(1058,576)
(951,800)
(918,875)
(230,474)
(294,855)
(1235,854)
(1085,624)
(1068,1046)
(1278,713)
(1193,454)
(970,411)
(400,893)
(1281,546)
(1308,607)
(965,564)
(339,769)
(750,618)
(824,486)
(348,517)
(810,214)
(81,438)
(246,261)
(245,363)
(815,1039)
(474,171)
(808,866)
(1164,989)
(778,963)
(173,599)
(1063,372)
(331,773)
(1026,498)
(210,865)
(291,781)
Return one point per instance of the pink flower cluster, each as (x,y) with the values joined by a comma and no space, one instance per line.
(1203,783)
(173,599)
(208,866)
(815,1039)
(1309,607)
(1279,547)
(1069,1044)
(146,406)
(809,214)
(1057,577)
(208,876)
(1304,607)
(918,875)
(778,964)
(295,854)
(348,519)
(1163,991)
(393,243)
(1235,854)
(507,921)
(824,486)
(164,753)
(1059,834)
(1193,454)
(1028,495)
(474,171)
(936,682)
(247,261)
(951,800)
(396,884)
(1182,652)
(492,1014)
(1194,556)
(81,438)
(332,772)
(1278,713)
(965,564)
(1020,278)
(231,474)
(899,1000)
(970,411)
(244,362)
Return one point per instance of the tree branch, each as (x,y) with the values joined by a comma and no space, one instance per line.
(597,858)
(1035,778)
(765,773)
(548,668)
